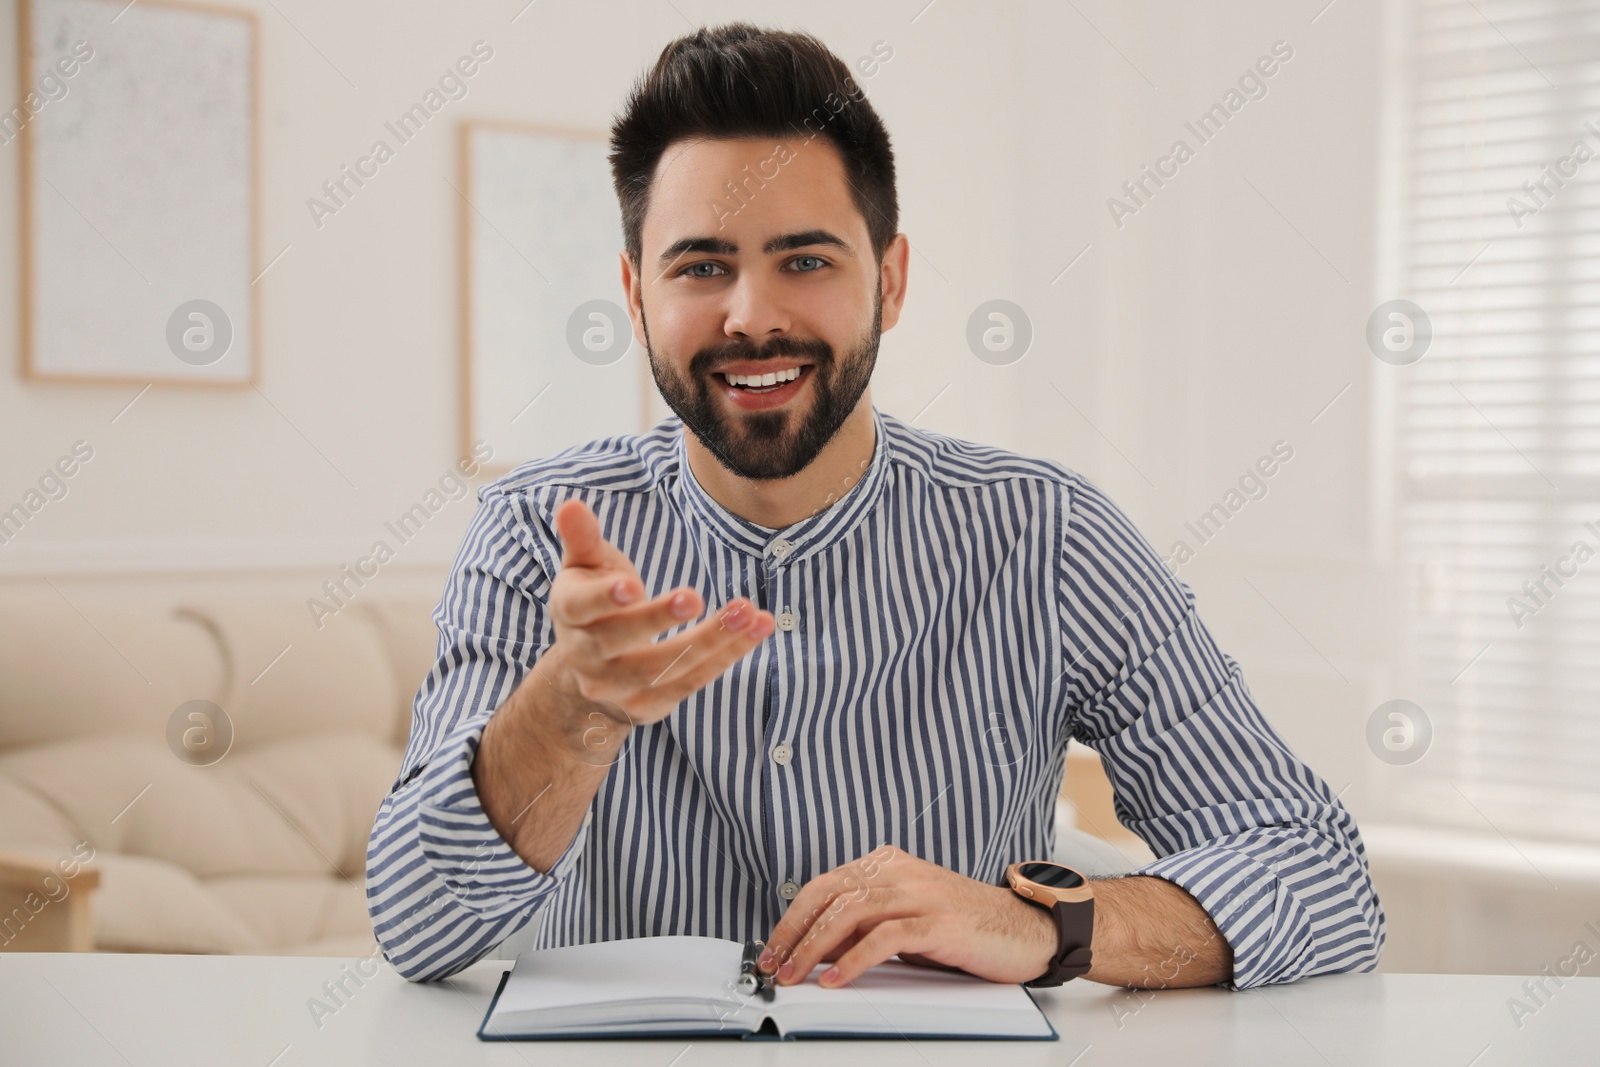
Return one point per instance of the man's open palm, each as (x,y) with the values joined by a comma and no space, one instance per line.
(607,631)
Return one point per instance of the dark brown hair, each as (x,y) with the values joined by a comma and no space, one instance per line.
(738,81)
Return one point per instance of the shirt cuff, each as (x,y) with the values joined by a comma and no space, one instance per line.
(1267,928)
(462,846)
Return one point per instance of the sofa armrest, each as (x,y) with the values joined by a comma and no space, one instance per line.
(42,907)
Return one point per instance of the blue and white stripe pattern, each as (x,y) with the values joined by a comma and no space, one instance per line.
(945,627)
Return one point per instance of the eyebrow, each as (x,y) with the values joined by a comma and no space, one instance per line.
(784,242)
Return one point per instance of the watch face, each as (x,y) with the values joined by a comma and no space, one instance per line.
(1053,875)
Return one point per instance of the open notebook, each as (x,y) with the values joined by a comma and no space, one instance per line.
(656,986)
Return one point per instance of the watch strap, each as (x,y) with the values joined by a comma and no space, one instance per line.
(1074,933)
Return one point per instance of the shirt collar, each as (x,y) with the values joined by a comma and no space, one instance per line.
(836,515)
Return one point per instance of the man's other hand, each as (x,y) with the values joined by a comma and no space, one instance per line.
(890,902)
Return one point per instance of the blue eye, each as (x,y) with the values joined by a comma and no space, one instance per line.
(820,263)
(696,266)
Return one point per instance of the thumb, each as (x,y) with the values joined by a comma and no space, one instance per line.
(581,543)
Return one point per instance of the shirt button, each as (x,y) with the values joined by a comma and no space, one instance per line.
(782,753)
(789,889)
(780,548)
(787,621)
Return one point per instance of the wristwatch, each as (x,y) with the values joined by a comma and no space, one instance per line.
(1070,898)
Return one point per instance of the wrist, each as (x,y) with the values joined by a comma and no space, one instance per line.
(1065,897)
(1041,937)
(1109,939)
(555,715)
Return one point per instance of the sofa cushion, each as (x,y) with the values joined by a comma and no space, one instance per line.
(29,821)
(288,678)
(75,671)
(328,787)
(296,909)
(301,805)
(411,639)
(146,905)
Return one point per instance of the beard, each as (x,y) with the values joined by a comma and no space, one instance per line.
(768,445)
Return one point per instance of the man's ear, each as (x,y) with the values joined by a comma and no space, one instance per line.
(892,275)
(632,288)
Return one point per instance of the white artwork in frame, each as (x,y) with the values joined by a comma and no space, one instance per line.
(548,355)
(139,192)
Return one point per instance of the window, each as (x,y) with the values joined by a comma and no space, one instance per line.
(1495,234)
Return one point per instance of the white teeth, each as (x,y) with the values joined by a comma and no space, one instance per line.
(760,380)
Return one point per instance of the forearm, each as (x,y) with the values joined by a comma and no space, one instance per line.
(542,759)
(1152,934)
(425,924)
(445,884)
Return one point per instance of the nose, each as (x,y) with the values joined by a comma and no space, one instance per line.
(754,311)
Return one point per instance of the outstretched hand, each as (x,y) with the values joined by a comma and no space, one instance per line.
(606,629)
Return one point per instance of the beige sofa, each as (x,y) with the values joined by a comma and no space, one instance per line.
(261,851)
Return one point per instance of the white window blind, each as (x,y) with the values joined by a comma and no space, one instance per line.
(1497,433)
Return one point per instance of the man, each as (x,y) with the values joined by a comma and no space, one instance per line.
(900,631)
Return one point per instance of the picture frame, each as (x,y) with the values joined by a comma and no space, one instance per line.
(540,232)
(140,223)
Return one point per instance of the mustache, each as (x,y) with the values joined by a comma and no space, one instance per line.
(708,360)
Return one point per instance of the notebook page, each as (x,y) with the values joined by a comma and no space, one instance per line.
(643,968)
(899,996)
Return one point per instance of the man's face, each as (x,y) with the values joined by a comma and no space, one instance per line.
(778,281)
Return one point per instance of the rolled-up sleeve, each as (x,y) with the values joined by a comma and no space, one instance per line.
(443,887)
(1233,816)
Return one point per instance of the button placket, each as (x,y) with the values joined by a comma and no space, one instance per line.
(780,751)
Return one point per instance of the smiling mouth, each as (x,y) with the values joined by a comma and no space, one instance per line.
(769,382)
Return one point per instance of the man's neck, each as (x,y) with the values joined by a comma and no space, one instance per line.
(781,502)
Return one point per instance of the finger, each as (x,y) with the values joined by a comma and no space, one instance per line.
(782,955)
(787,933)
(673,669)
(584,596)
(841,921)
(651,681)
(579,530)
(790,929)
(911,934)
(842,917)
(846,944)
(660,698)
(626,635)
(851,881)
(681,679)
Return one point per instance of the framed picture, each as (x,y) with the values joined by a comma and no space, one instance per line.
(548,357)
(138,138)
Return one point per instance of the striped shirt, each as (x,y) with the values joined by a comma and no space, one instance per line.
(944,628)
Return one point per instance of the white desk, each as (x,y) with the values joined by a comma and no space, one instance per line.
(252,1011)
